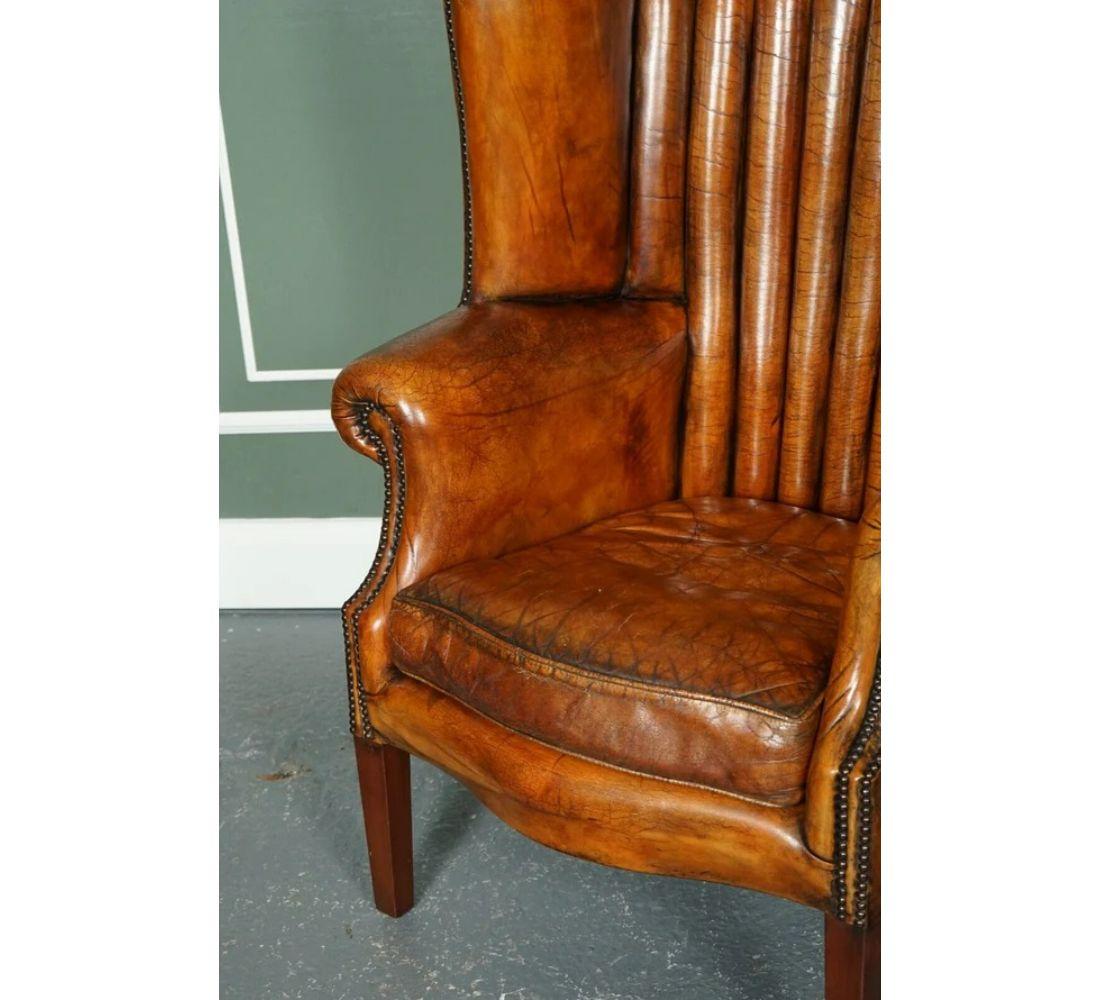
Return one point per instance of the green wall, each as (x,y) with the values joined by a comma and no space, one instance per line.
(343,147)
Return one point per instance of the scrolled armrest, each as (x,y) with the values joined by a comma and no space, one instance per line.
(502,424)
(844,766)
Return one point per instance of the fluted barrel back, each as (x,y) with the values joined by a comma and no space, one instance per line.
(782,251)
(723,151)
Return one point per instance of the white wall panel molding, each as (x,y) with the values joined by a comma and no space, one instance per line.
(275,422)
(244,315)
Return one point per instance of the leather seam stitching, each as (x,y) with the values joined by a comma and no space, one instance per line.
(583,673)
(866,737)
(467,196)
(393,509)
(741,796)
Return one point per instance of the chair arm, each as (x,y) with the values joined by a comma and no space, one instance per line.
(846,751)
(502,424)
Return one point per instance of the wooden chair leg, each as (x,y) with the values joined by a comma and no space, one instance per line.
(387,814)
(851,961)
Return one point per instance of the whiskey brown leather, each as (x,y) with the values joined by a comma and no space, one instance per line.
(832,91)
(855,356)
(722,32)
(662,80)
(507,411)
(546,93)
(853,670)
(780,36)
(604,814)
(587,604)
(691,640)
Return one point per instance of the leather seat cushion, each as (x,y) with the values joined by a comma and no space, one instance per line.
(690,641)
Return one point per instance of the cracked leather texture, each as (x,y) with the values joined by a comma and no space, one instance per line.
(718,159)
(505,411)
(587,809)
(690,640)
(662,81)
(548,130)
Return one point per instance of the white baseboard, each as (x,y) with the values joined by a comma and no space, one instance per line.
(294,562)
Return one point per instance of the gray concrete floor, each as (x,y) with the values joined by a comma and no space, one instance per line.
(496,915)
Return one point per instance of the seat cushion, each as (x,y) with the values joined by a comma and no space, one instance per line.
(690,641)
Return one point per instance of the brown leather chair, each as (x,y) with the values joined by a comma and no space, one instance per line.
(628,585)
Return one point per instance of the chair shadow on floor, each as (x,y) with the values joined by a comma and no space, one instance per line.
(753,951)
(444,813)
(440,831)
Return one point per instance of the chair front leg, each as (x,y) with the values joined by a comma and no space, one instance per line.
(385,789)
(851,961)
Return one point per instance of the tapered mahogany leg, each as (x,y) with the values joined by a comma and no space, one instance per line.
(387,814)
(851,961)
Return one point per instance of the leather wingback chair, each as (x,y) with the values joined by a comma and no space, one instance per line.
(628,583)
